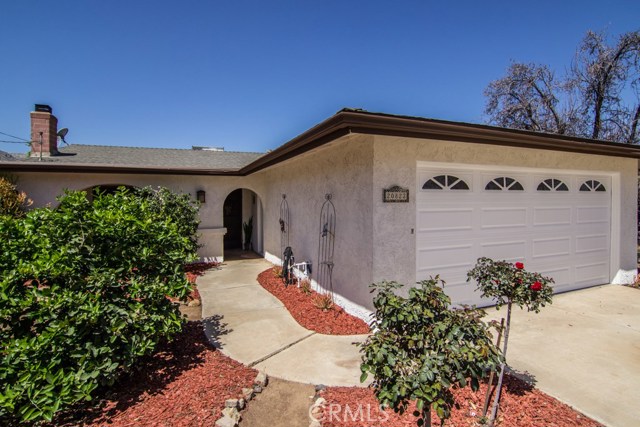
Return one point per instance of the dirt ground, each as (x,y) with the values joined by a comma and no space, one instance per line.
(281,404)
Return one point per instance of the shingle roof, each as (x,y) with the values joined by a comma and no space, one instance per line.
(110,159)
(6,157)
(147,157)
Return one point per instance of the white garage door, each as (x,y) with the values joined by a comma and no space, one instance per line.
(556,223)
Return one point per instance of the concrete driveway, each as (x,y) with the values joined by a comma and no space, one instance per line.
(584,349)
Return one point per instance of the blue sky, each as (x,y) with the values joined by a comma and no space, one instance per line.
(250,75)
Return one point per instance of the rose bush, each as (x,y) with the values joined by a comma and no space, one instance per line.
(508,284)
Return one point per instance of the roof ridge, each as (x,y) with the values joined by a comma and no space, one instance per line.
(160,148)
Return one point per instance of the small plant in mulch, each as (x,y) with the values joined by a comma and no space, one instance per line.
(323,302)
(305,286)
(277,271)
(508,284)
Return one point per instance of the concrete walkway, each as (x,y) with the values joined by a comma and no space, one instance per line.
(584,349)
(252,326)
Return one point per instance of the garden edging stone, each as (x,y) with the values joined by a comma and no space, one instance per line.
(231,413)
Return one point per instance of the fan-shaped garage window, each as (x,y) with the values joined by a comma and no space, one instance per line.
(504,183)
(552,184)
(592,185)
(445,182)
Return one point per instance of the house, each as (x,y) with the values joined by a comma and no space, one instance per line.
(366,197)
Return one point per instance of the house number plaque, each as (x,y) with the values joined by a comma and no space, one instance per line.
(395,194)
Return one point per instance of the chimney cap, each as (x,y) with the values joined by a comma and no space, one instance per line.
(44,108)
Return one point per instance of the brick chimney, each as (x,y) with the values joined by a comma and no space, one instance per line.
(44,132)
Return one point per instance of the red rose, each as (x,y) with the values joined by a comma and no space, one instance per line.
(519,265)
(536,286)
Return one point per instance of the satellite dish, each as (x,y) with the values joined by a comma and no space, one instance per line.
(62,133)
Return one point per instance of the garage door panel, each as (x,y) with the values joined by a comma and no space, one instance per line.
(463,294)
(507,250)
(455,275)
(592,243)
(591,273)
(503,217)
(554,247)
(445,220)
(593,214)
(446,256)
(561,234)
(562,275)
(549,216)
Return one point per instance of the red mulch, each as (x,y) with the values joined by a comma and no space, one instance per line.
(520,406)
(301,306)
(185,384)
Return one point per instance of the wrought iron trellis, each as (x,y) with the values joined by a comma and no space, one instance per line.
(326,242)
(284,226)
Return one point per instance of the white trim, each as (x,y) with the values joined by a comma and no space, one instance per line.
(213,230)
(273,259)
(625,277)
(616,227)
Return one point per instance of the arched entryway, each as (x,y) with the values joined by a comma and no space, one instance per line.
(242,217)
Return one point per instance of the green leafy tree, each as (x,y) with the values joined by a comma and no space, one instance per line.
(83,294)
(421,348)
(508,284)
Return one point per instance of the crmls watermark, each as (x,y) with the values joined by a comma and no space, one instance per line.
(367,413)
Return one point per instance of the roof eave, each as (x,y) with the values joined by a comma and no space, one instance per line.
(360,122)
(101,168)
(356,122)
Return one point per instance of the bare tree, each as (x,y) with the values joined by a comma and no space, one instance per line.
(604,75)
(526,98)
(599,97)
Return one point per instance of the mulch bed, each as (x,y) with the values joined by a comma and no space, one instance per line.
(520,406)
(304,310)
(185,384)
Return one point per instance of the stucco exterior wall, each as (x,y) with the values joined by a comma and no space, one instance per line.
(343,169)
(374,240)
(395,163)
(43,188)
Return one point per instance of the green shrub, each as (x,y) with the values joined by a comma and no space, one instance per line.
(421,348)
(12,201)
(83,294)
